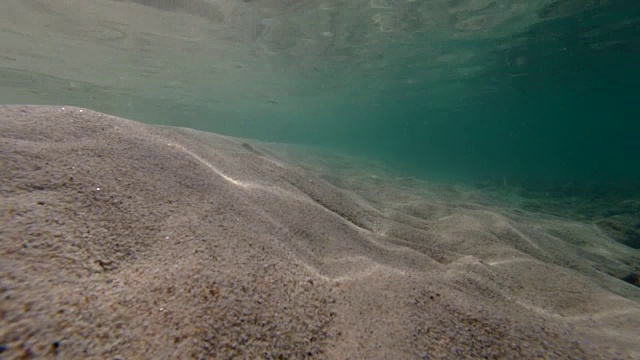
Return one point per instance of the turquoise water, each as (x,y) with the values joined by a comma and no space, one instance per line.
(537,95)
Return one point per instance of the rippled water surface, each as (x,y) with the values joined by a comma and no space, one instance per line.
(534,93)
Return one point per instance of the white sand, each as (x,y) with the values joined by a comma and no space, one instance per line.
(124,240)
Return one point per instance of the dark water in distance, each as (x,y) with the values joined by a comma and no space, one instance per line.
(563,106)
(526,93)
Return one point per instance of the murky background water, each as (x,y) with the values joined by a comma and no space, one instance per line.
(536,94)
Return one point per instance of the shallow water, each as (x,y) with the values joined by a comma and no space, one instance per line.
(536,97)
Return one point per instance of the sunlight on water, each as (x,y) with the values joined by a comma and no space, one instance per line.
(540,90)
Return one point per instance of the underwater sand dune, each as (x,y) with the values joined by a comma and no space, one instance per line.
(129,241)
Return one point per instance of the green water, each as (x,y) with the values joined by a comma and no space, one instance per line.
(537,95)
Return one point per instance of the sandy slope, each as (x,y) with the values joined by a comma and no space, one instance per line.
(123,240)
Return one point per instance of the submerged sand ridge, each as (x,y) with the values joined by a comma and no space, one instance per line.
(125,240)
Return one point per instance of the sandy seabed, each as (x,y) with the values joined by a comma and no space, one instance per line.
(120,240)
